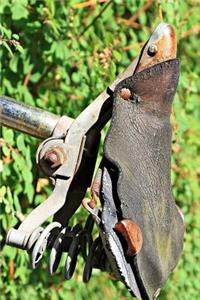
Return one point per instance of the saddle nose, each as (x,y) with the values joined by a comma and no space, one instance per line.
(160,47)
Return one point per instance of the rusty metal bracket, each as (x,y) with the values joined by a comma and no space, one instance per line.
(71,139)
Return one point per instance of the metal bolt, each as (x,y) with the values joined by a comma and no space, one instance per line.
(125,94)
(152,50)
(55,157)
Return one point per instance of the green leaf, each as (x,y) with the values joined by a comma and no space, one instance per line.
(4,4)
(2,193)
(117,55)
(19,48)
(18,10)
(8,135)
(13,63)
(20,143)
(7,47)
(15,36)
(60,49)
(5,32)
(5,150)
(10,252)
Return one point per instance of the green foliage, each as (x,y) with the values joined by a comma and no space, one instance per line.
(47,61)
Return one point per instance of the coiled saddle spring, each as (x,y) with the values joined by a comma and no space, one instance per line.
(73,240)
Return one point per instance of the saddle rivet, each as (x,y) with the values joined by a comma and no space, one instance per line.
(132,234)
(152,50)
(125,94)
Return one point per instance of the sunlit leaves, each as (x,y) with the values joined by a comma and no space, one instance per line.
(19,10)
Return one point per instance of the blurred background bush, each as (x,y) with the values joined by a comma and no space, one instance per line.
(59,55)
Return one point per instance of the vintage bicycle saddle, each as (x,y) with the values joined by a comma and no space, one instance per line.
(136,171)
(141,228)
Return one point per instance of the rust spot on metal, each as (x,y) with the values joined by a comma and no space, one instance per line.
(94,190)
(132,234)
(125,94)
(91,203)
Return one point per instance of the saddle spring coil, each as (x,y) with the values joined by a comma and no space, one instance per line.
(73,240)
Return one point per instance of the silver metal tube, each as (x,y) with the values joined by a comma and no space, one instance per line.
(28,119)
